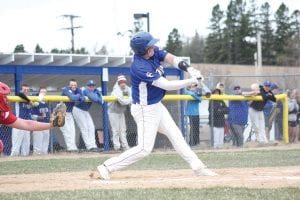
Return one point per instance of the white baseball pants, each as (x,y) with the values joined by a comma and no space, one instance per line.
(218,137)
(118,126)
(20,142)
(258,122)
(150,119)
(86,125)
(41,142)
(68,131)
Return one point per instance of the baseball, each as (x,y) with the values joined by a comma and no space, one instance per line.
(35,104)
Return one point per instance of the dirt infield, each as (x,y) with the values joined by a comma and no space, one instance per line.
(271,177)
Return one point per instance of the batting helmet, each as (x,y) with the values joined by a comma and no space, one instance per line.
(141,41)
(4,91)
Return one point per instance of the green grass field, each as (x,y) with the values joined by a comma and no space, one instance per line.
(161,161)
(239,159)
(176,193)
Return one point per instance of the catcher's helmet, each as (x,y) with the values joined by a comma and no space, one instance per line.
(4,91)
(141,41)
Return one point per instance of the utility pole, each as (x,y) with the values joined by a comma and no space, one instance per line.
(72,28)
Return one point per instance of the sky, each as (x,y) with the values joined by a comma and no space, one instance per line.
(29,22)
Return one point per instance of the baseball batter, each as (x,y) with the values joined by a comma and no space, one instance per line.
(148,88)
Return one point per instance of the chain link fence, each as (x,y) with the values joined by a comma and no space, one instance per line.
(199,130)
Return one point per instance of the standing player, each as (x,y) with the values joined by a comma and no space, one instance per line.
(68,130)
(116,113)
(148,88)
(83,118)
(41,113)
(9,119)
(20,139)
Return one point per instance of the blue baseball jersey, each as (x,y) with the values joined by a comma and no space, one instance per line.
(73,95)
(94,96)
(40,110)
(143,73)
(23,110)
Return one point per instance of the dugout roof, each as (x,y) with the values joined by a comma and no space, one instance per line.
(55,70)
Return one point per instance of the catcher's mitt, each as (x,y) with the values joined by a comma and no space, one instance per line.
(58,115)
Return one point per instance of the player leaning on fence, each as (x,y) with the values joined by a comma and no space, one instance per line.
(149,86)
(256,109)
(84,119)
(68,130)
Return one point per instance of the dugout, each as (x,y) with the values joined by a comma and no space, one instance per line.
(55,70)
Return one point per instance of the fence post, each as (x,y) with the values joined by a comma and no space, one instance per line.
(18,78)
(285,120)
(181,76)
(104,109)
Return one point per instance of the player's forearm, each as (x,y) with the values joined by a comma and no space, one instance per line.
(173,85)
(30,125)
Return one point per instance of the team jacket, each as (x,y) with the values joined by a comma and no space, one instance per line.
(94,96)
(42,111)
(74,96)
(120,105)
(259,105)
(238,112)
(23,110)
(192,107)
(217,110)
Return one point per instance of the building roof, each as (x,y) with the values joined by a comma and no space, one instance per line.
(63,59)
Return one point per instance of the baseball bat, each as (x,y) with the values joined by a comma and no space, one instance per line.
(23,96)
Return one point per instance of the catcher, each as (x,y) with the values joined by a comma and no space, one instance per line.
(9,119)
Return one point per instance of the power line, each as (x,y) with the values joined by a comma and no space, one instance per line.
(72,28)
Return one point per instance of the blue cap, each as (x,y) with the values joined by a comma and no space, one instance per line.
(90,82)
(274,86)
(267,83)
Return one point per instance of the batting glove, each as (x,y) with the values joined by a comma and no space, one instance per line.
(195,73)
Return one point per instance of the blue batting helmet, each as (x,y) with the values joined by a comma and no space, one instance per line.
(141,41)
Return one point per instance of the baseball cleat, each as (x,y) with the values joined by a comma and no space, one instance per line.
(205,172)
(104,173)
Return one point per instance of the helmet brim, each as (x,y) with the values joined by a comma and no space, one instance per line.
(152,42)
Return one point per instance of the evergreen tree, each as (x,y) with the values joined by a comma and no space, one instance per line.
(238,27)
(38,49)
(102,51)
(214,49)
(19,49)
(196,49)
(295,24)
(82,50)
(282,33)
(267,36)
(174,43)
(293,47)
(55,50)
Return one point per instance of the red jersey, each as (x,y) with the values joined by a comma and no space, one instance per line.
(7,117)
